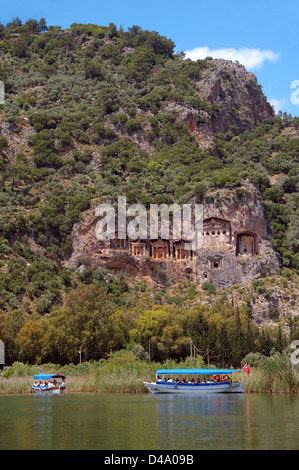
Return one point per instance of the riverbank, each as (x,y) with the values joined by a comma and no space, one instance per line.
(122,373)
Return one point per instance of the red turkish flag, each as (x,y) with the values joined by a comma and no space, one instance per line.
(246,368)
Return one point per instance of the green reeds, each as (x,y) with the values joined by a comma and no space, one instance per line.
(275,375)
(15,385)
(124,374)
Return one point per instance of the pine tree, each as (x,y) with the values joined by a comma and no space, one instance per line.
(199,333)
(249,339)
(225,348)
(279,340)
(42,25)
(238,341)
(266,343)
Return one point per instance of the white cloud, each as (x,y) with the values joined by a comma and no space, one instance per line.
(250,58)
(278,105)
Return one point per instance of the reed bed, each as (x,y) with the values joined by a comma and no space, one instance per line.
(103,383)
(119,375)
(15,385)
(276,375)
(122,378)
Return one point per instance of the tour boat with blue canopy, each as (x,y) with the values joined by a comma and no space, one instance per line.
(195,381)
(48,384)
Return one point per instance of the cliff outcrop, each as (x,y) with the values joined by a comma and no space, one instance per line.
(234,245)
(235,94)
(234,98)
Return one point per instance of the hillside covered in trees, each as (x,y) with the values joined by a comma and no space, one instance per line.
(94,112)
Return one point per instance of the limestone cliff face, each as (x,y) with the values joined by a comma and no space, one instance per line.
(102,254)
(235,99)
(235,247)
(235,94)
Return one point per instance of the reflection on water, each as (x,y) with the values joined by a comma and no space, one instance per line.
(209,420)
(229,422)
(149,422)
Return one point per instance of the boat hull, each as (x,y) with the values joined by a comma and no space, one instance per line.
(194,389)
(49,392)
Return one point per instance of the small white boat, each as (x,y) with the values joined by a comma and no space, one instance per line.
(48,384)
(213,381)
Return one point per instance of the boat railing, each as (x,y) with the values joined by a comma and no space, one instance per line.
(208,382)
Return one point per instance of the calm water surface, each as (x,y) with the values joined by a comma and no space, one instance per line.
(149,422)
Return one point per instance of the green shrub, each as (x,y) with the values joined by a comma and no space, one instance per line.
(132,125)
(209,287)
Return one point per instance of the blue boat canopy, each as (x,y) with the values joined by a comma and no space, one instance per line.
(48,376)
(195,371)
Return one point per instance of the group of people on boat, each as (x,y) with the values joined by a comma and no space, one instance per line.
(180,381)
(195,381)
(48,385)
(214,379)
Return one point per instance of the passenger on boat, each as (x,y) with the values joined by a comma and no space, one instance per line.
(159,379)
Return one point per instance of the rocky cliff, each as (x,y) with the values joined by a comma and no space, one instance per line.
(229,96)
(234,97)
(93,113)
(235,94)
(235,247)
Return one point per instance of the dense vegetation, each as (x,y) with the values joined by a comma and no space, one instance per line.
(83,122)
(123,371)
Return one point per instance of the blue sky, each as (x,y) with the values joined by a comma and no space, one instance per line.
(261,34)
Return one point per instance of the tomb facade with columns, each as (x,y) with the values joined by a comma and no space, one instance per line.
(234,249)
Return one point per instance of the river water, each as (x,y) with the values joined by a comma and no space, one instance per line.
(93,421)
